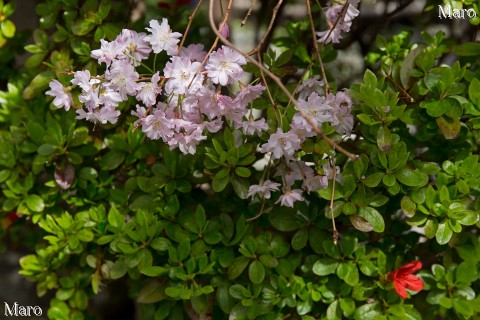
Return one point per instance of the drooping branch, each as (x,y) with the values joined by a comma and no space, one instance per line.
(280,85)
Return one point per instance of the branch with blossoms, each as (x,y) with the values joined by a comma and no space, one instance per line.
(192,98)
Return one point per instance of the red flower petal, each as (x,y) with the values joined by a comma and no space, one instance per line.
(400,289)
(413,283)
(411,267)
(404,279)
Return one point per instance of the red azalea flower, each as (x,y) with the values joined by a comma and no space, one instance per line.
(403,278)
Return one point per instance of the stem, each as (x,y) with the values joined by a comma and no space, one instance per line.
(269,29)
(399,87)
(190,20)
(335,234)
(315,47)
(244,21)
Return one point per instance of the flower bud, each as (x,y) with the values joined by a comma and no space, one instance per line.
(224,31)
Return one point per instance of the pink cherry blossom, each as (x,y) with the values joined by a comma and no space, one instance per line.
(162,38)
(224,66)
(181,72)
(290,197)
(148,91)
(316,108)
(122,76)
(63,98)
(134,47)
(264,189)
(281,144)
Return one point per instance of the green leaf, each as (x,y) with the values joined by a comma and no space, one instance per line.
(408,65)
(348,272)
(256,272)
(200,217)
(360,223)
(118,270)
(218,184)
(268,260)
(408,206)
(85,235)
(8,29)
(243,172)
(88,173)
(151,292)
(464,308)
(384,138)
(411,178)
(38,84)
(435,108)
(370,79)
(115,218)
(444,232)
(450,128)
(112,160)
(81,28)
(46,149)
(389,180)
(160,244)
(373,217)
(373,180)
(299,240)
(34,60)
(64,294)
(240,186)
(467,49)
(200,304)
(183,249)
(237,266)
(368,311)
(325,266)
(474,91)
(35,203)
(348,306)
(284,219)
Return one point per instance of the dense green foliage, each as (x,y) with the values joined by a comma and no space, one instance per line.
(103,203)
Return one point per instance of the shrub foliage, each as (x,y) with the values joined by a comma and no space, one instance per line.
(102,202)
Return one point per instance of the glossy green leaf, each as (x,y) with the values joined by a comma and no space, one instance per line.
(8,28)
(411,178)
(35,203)
(444,232)
(373,217)
(256,272)
(325,266)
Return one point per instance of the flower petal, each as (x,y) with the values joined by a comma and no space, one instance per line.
(413,282)
(411,267)
(400,289)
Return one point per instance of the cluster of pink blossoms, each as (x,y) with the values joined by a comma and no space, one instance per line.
(333,109)
(339,17)
(184,102)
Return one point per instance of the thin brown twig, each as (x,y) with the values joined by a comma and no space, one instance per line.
(334,227)
(281,86)
(340,17)
(315,46)
(190,20)
(399,87)
(265,82)
(269,29)
(269,94)
(244,21)
(259,214)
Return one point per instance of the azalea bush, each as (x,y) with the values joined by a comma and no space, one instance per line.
(215,182)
